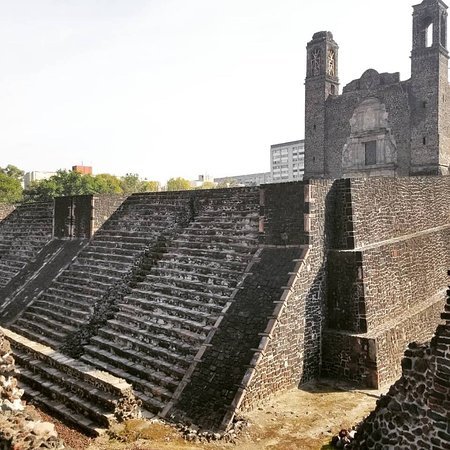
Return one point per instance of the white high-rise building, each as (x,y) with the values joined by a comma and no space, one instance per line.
(29,177)
(287,161)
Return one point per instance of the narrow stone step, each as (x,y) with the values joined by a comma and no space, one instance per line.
(151,302)
(47,323)
(213,254)
(61,411)
(82,315)
(152,404)
(71,303)
(171,310)
(158,281)
(165,319)
(204,261)
(173,266)
(66,317)
(152,290)
(33,335)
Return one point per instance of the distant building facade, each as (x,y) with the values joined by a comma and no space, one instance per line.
(252,179)
(287,161)
(83,170)
(31,177)
(380,125)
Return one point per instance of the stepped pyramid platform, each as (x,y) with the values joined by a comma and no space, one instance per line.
(23,233)
(208,302)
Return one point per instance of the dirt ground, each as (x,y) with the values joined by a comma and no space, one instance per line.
(303,419)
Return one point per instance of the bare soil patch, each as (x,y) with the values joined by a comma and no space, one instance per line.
(305,419)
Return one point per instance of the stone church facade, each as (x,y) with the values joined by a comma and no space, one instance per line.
(379,125)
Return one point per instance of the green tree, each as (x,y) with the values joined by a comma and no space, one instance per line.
(13,172)
(10,189)
(208,185)
(107,184)
(178,184)
(151,186)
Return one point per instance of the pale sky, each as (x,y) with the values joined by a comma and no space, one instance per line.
(167,88)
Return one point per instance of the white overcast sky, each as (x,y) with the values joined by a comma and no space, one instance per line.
(169,88)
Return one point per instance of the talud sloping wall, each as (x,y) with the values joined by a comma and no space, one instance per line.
(5,210)
(415,413)
(290,354)
(387,276)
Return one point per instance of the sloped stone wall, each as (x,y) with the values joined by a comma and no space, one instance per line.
(6,210)
(415,413)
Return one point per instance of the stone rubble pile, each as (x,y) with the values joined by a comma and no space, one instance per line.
(18,428)
(193,433)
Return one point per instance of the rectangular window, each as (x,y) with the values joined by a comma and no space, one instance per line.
(370,153)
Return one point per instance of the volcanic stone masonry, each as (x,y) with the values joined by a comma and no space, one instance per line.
(208,302)
(415,413)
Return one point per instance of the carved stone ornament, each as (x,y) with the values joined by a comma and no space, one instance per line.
(331,65)
(316,57)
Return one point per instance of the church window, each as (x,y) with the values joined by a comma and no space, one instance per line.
(424,140)
(331,64)
(370,149)
(428,32)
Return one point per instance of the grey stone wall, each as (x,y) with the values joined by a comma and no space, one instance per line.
(283,209)
(387,208)
(415,413)
(386,269)
(292,352)
(103,208)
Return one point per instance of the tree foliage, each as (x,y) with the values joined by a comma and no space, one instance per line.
(10,188)
(73,183)
(178,184)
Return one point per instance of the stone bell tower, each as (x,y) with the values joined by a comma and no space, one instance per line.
(321,81)
(430,108)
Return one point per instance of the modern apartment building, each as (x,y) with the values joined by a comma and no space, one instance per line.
(30,177)
(287,161)
(252,179)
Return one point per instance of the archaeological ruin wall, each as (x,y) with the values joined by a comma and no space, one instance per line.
(23,233)
(208,302)
(415,413)
(5,210)
(386,275)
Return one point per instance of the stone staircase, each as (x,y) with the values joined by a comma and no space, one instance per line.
(22,235)
(109,257)
(161,325)
(74,391)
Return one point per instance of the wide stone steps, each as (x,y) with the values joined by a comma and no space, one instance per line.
(37,332)
(78,289)
(74,304)
(147,290)
(162,318)
(65,316)
(200,274)
(141,360)
(63,309)
(171,309)
(47,386)
(85,396)
(71,278)
(210,253)
(49,322)
(96,247)
(139,385)
(178,265)
(187,242)
(206,260)
(153,301)
(163,283)
(136,327)
(87,276)
(90,253)
(98,267)
(110,237)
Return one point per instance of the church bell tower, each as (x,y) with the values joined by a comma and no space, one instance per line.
(430,127)
(321,81)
